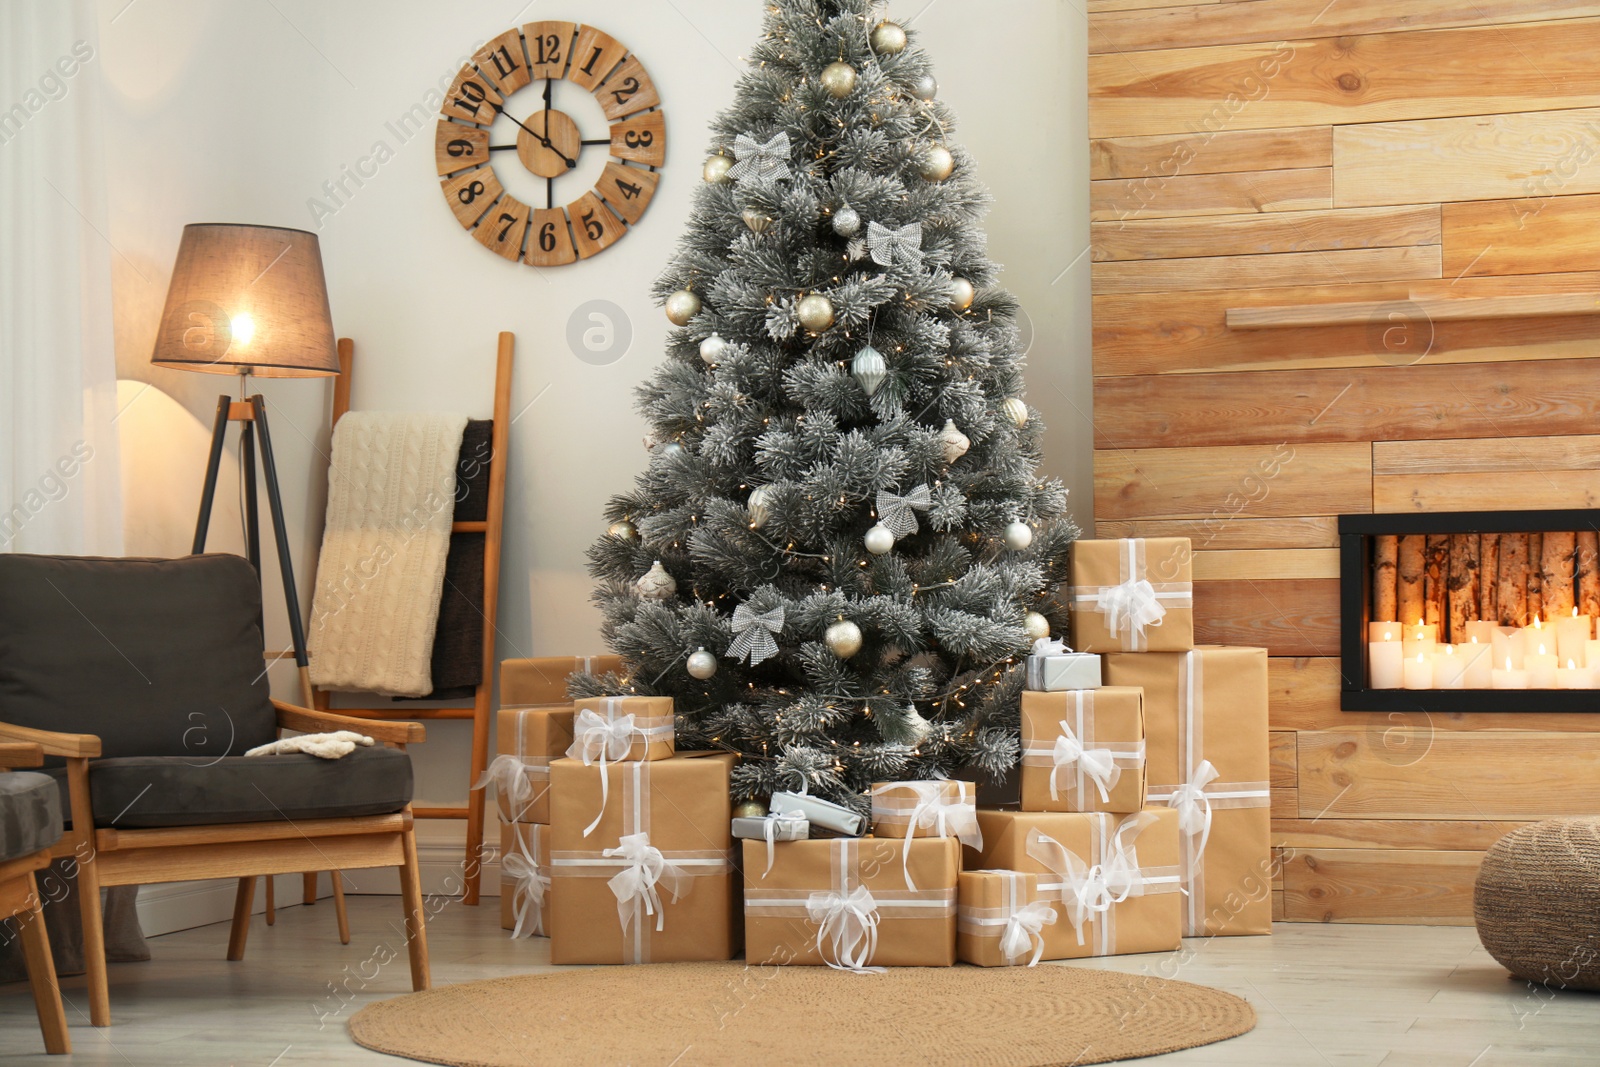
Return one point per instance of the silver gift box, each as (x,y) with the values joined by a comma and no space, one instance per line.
(821,813)
(1059,673)
(752,829)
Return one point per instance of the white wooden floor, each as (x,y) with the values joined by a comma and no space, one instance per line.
(1394,996)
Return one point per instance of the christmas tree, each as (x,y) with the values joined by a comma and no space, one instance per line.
(841,551)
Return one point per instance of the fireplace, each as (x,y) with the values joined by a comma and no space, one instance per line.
(1507,657)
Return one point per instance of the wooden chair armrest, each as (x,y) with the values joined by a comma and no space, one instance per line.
(51,742)
(312,721)
(21,754)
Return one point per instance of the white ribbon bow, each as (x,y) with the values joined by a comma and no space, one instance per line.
(754,633)
(509,775)
(769,830)
(1051,646)
(763,162)
(1097,764)
(946,818)
(530,886)
(889,247)
(1024,930)
(1084,889)
(895,511)
(848,922)
(1121,867)
(637,885)
(1130,607)
(1194,807)
(598,738)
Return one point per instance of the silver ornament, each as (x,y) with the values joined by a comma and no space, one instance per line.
(1019,535)
(888,38)
(712,349)
(758,221)
(1036,626)
(955,442)
(702,665)
(925,87)
(846,221)
(879,540)
(682,306)
(869,369)
(623,530)
(673,449)
(1016,411)
(843,639)
(839,79)
(656,584)
(961,294)
(815,312)
(759,506)
(749,809)
(937,163)
(716,169)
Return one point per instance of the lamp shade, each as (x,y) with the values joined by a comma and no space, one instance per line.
(247,300)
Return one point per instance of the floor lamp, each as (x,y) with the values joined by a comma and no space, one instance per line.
(251,301)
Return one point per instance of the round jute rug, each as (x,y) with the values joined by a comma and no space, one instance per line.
(686,1014)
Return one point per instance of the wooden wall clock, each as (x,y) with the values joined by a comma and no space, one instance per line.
(548,143)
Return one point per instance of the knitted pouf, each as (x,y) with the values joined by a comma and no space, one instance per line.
(1537,902)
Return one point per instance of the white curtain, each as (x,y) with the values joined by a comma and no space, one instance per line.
(59,468)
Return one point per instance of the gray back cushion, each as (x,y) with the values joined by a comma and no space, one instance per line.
(157,657)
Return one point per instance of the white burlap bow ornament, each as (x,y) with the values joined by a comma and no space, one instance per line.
(956,818)
(1098,765)
(754,633)
(530,890)
(1130,607)
(888,247)
(1193,806)
(509,776)
(762,162)
(1025,930)
(847,923)
(1083,887)
(638,885)
(770,827)
(899,513)
(600,738)
(1050,646)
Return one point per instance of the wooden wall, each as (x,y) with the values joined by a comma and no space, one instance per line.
(1285,153)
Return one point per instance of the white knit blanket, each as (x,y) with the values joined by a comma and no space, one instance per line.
(391,499)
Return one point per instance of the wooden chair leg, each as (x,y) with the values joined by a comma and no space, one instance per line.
(309,894)
(242,901)
(42,975)
(416,927)
(272,903)
(94,942)
(338,907)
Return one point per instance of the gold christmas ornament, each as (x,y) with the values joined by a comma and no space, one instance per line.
(759,506)
(1016,411)
(757,220)
(888,38)
(843,639)
(1036,626)
(712,348)
(656,584)
(1019,535)
(702,665)
(623,530)
(955,442)
(749,809)
(838,79)
(682,306)
(937,163)
(716,169)
(961,294)
(815,312)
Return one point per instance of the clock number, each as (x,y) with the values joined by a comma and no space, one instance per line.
(547,237)
(510,221)
(459,147)
(549,49)
(471,192)
(588,68)
(592,226)
(636,139)
(628,189)
(506,67)
(474,94)
(629,87)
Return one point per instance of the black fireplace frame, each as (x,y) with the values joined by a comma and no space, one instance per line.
(1355,611)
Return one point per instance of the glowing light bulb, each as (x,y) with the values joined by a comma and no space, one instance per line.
(243,328)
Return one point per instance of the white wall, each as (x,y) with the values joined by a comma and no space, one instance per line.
(241,112)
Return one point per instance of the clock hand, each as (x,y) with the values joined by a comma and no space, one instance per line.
(544,140)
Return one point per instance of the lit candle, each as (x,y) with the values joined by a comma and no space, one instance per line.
(1591,654)
(1383,631)
(1482,632)
(1419,639)
(1572,636)
(1480,665)
(1510,678)
(1508,644)
(1573,676)
(1449,669)
(1384,662)
(1418,673)
(1541,668)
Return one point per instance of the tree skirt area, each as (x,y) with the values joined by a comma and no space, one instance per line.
(727,1013)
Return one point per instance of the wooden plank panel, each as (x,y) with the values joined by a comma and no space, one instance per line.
(1423,309)
(1529,489)
(1187,333)
(1281,759)
(1572,453)
(1285,802)
(1278,20)
(1548,233)
(1443,774)
(1278,907)
(1423,402)
(1222,482)
(1118,199)
(1272,563)
(1482,157)
(1298,617)
(1098,6)
(1429,835)
(1371,79)
(1246,272)
(1380,886)
(1210,153)
(1282,231)
(1235,533)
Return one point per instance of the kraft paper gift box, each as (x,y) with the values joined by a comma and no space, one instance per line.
(1112,879)
(844,902)
(543,679)
(1053,667)
(1132,595)
(1000,919)
(653,878)
(934,807)
(528,739)
(524,878)
(622,728)
(1206,749)
(1083,750)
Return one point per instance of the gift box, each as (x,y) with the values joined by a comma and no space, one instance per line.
(652,878)
(524,878)
(821,814)
(1084,750)
(1000,918)
(1132,595)
(791,826)
(1053,667)
(528,739)
(845,903)
(1206,756)
(1112,879)
(543,680)
(935,807)
(607,729)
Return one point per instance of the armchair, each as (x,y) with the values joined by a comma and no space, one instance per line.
(30,822)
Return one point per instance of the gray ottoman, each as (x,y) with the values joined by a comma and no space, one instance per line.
(1537,902)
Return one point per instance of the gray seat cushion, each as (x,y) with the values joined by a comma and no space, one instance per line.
(138,792)
(30,814)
